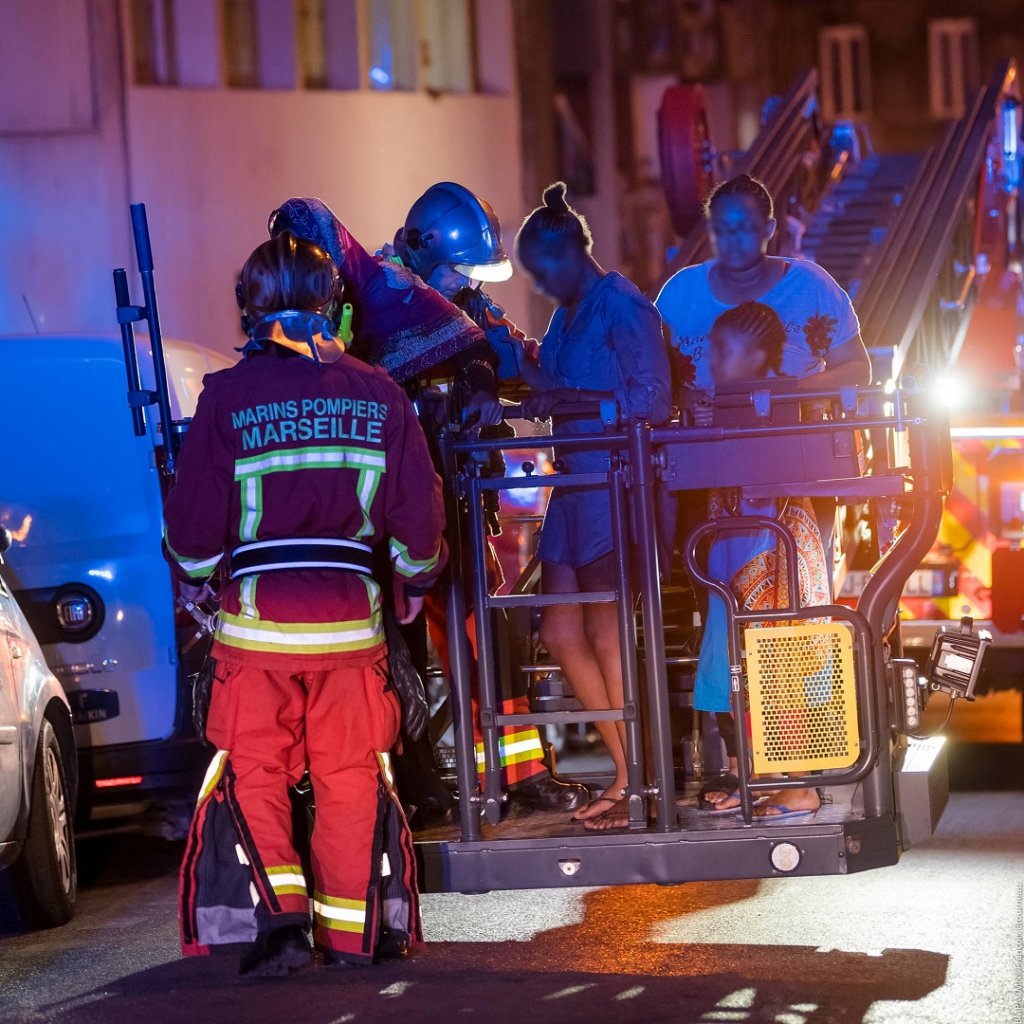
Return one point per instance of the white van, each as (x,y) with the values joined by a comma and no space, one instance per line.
(82,499)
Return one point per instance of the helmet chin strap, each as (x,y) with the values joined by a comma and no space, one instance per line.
(310,335)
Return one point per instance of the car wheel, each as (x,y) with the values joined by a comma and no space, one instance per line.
(46,878)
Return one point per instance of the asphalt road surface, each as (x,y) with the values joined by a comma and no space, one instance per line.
(935,939)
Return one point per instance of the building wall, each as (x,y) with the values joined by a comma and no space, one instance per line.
(898,42)
(62,166)
(77,144)
(212,165)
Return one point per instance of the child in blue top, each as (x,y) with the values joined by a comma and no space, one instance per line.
(746,343)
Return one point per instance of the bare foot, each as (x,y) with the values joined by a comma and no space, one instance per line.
(787,800)
(726,801)
(616,817)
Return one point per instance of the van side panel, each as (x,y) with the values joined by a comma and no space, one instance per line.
(82,496)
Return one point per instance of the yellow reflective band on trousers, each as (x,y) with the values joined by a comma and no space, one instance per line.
(287,880)
(213,775)
(515,748)
(340,915)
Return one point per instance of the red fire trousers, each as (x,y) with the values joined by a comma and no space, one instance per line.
(339,722)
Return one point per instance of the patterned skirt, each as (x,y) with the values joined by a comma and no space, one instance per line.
(754,565)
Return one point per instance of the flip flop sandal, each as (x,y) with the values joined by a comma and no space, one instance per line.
(611,801)
(778,811)
(727,784)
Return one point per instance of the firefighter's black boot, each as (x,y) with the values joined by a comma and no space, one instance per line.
(546,793)
(426,800)
(277,953)
(390,946)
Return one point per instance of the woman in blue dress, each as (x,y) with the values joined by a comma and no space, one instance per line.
(604,341)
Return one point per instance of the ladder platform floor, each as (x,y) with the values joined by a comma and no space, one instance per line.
(522,824)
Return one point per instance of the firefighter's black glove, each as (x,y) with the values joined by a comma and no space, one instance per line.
(475,304)
(405,679)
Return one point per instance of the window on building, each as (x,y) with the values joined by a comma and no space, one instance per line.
(953,72)
(845,72)
(241,47)
(153,42)
(338,44)
(392,32)
(446,45)
(312,42)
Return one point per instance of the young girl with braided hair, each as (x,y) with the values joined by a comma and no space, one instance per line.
(747,343)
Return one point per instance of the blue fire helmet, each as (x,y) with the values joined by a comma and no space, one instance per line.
(449,224)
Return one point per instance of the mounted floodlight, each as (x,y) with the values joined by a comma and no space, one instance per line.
(955,660)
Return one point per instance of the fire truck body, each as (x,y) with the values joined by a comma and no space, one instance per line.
(976,567)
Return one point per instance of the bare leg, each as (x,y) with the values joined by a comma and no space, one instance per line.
(601,624)
(564,634)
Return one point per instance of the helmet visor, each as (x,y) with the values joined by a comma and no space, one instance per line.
(487,272)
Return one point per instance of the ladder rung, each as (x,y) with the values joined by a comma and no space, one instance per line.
(549,600)
(557,717)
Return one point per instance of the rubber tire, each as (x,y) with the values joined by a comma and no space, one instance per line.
(683,139)
(45,899)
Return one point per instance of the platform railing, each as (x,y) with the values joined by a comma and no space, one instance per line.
(637,458)
(869,725)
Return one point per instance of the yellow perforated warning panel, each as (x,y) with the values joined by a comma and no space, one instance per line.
(803,703)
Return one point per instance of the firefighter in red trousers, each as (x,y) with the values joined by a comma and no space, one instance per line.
(298,461)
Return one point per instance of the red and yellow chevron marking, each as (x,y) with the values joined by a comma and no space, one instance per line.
(966,533)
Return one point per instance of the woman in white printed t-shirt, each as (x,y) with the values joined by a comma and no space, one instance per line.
(822,333)
(823,350)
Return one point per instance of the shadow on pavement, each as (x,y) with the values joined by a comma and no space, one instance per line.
(606,967)
(461,981)
(125,859)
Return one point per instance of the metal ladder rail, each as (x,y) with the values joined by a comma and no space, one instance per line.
(940,237)
(877,290)
(637,483)
(490,719)
(878,294)
(896,293)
